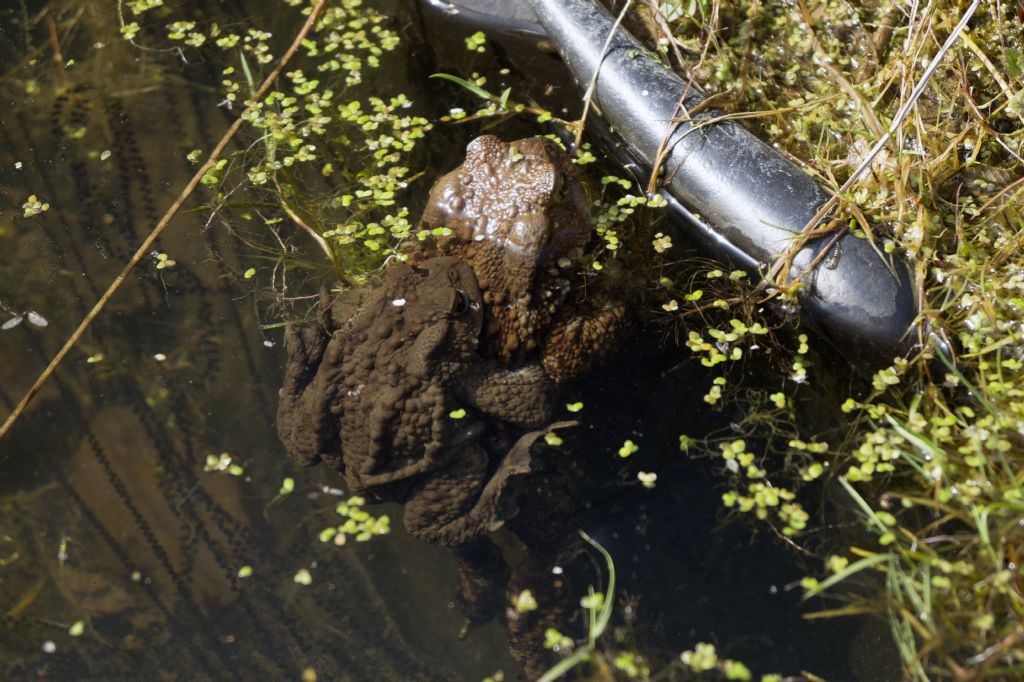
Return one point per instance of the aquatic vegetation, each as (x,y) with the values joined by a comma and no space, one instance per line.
(603,652)
(703,658)
(628,449)
(359,523)
(930,451)
(323,159)
(33,206)
(598,607)
(223,463)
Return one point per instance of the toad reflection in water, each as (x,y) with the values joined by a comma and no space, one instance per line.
(479,320)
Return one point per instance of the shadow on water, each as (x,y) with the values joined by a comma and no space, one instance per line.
(106,513)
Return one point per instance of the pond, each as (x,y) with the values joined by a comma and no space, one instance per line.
(151,524)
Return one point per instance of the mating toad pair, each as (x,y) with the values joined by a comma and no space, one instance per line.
(398,381)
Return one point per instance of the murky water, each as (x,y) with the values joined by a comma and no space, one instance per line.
(107,516)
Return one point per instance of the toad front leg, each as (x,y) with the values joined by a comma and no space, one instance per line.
(525,396)
(579,341)
(304,423)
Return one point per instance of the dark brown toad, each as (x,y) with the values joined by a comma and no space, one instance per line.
(519,216)
(392,394)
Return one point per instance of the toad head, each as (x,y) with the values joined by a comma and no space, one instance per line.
(517,213)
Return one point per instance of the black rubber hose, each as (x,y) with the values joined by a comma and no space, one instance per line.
(746,201)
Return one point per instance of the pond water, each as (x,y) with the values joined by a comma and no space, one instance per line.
(108,517)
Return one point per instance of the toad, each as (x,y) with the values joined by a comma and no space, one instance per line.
(518,214)
(391,391)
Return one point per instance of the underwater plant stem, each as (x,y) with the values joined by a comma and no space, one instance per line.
(316,236)
(598,618)
(144,248)
(58,58)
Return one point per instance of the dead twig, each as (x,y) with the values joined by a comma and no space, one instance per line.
(589,96)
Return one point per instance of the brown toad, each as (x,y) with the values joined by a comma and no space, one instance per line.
(378,397)
(519,216)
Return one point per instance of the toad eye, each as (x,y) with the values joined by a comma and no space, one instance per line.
(461,304)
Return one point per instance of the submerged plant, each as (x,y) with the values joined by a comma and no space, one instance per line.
(598,607)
